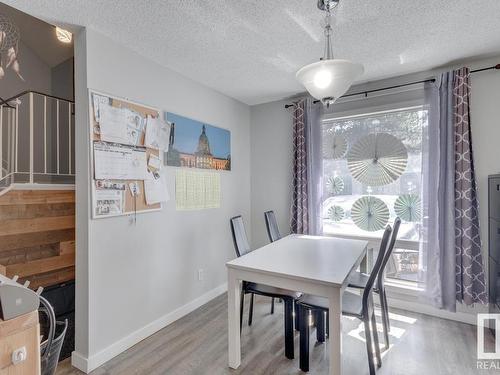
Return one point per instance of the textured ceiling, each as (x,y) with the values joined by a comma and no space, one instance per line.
(251,49)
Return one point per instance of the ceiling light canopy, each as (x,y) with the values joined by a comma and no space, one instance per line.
(329,78)
(63,36)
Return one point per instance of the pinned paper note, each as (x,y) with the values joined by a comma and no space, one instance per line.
(156,190)
(119,162)
(120,125)
(197,190)
(108,202)
(99,100)
(157,133)
(154,162)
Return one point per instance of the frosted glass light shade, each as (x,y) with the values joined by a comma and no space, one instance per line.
(328,80)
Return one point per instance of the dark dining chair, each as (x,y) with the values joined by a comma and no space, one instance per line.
(289,297)
(272,226)
(354,305)
(274,235)
(359,280)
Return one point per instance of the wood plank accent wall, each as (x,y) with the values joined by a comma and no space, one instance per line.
(37,236)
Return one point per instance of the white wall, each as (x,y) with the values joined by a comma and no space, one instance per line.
(139,274)
(272,161)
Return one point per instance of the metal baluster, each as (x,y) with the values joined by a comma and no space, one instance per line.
(31,137)
(45,134)
(16,145)
(69,136)
(57,128)
(1,142)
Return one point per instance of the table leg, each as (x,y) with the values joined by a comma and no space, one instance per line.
(335,320)
(233,311)
(367,262)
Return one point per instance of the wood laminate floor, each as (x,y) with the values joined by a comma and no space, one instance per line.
(197,344)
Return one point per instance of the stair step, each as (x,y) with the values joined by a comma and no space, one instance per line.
(50,278)
(28,254)
(40,266)
(42,224)
(37,236)
(30,211)
(37,197)
(15,241)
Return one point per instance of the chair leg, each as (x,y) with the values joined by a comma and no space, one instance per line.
(296,310)
(304,339)
(320,326)
(272,305)
(250,311)
(369,345)
(375,339)
(385,317)
(242,302)
(289,328)
(327,323)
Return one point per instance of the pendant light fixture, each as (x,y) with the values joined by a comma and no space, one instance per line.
(328,79)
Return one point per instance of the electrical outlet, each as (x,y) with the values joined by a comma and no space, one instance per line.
(200,274)
(19,355)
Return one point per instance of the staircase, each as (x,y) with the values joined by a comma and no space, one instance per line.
(37,236)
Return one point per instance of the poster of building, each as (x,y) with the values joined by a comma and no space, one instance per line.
(194,144)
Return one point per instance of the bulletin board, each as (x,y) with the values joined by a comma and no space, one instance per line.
(130,204)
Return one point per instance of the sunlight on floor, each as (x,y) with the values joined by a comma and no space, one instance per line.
(398,317)
(395,332)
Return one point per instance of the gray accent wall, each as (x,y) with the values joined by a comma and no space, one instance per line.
(272,156)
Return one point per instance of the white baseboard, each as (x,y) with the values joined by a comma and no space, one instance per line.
(469,317)
(91,363)
(80,362)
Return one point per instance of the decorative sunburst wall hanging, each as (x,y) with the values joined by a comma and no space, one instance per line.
(9,45)
(334,147)
(370,213)
(336,213)
(408,207)
(377,159)
(335,185)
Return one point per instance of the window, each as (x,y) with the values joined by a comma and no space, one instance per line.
(407,125)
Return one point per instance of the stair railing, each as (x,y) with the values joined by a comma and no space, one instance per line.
(36,140)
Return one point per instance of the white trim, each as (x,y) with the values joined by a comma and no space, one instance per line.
(459,316)
(89,364)
(69,136)
(21,186)
(6,190)
(80,362)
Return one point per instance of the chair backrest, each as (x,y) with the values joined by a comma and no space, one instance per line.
(272,226)
(376,268)
(388,253)
(240,239)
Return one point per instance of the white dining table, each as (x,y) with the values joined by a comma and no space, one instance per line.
(309,264)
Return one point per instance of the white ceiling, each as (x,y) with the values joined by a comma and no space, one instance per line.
(40,37)
(251,49)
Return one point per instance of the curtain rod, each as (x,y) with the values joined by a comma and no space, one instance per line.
(496,67)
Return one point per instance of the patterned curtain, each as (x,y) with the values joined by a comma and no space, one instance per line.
(299,221)
(470,280)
